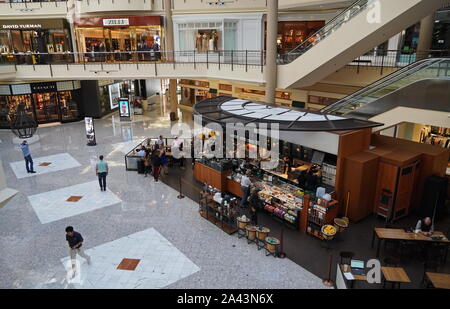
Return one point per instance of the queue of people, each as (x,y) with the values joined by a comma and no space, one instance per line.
(156,160)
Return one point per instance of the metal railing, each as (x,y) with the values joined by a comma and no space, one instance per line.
(230,58)
(423,69)
(248,58)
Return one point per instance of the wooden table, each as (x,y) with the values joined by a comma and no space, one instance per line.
(400,234)
(394,275)
(357,277)
(439,281)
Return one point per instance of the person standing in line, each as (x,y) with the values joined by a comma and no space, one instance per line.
(27,156)
(156,162)
(245,187)
(164,161)
(102,170)
(75,241)
(160,142)
(255,205)
(147,164)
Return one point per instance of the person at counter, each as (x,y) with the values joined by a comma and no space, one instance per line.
(302,179)
(245,187)
(255,204)
(141,152)
(156,162)
(425,226)
(287,165)
(311,181)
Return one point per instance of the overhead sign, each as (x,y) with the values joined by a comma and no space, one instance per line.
(116,22)
(25,26)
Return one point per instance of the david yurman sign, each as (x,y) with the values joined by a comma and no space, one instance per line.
(116,22)
(26,26)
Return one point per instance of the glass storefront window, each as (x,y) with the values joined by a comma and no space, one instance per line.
(120,41)
(8,107)
(68,106)
(46,107)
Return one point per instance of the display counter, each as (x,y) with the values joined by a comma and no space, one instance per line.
(214,175)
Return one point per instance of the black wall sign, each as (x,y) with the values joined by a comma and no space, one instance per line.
(43,87)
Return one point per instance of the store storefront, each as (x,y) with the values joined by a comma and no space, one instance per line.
(218,33)
(45,102)
(293,33)
(48,36)
(120,34)
(106,94)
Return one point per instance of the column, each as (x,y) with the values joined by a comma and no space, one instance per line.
(271,51)
(173,98)
(170,46)
(425,36)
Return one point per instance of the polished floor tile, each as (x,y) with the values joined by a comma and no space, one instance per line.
(144,260)
(44,165)
(59,204)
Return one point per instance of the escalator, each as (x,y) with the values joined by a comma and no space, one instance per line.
(337,43)
(422,86)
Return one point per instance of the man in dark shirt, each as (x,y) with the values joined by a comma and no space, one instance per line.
(75,241)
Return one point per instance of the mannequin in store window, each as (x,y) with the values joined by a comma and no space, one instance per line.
(216,41)
(205,42)
(198,43)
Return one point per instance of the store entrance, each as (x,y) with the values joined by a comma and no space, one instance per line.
(47,109)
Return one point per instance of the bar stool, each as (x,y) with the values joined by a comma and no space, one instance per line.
(261,234)
(242,224)
(346,255)
(251,234)
(272,246)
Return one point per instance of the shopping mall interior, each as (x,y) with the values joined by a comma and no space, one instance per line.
(254,145)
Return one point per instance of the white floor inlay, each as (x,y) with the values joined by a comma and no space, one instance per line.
(159,264)
(52,206)
(57,162)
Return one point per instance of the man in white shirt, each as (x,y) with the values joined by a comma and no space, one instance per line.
(245,187)
(141,153)
(177,148)
(160,142)
(425,226)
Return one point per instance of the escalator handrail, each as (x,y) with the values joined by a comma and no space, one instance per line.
(348,9)
(412,68)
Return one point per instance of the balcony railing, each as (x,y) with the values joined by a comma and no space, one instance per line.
(379,59)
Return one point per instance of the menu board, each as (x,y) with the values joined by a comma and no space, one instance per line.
(318,157)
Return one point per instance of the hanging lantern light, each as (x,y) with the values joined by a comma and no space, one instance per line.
(23,125)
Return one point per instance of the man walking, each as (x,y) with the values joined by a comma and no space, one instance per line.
(75,241)
(27,156)
(102,170)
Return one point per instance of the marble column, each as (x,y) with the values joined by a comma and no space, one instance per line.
(271,72)
(170,45)
(173,97)
(425,36)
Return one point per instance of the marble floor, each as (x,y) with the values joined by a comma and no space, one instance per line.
(162,238)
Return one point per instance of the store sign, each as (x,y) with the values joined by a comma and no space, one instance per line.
(43,87)
(116,22)
(90,131)
(124,109)
(23,26)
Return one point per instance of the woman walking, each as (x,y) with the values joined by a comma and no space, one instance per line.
(156,162)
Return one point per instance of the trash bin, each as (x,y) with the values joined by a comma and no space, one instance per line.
(140,167)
